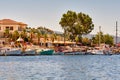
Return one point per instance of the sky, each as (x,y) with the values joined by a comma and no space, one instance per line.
(47,13)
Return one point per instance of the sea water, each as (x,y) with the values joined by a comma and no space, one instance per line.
(60,67)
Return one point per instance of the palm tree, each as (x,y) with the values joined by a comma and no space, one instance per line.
(38,35)
(6,33)
(45,38)
(15,35)
(53,37)
(24,35)
(31,34)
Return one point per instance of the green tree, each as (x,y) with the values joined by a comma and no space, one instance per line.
(53,37)
(38,35)
(77,39)
(85,41)
(6,33)
(15,35)
(24,35)
(31,34)
(76,23)
(108,39)
(45,39)
(99,38)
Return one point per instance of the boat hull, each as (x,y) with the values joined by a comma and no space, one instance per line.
(47,52)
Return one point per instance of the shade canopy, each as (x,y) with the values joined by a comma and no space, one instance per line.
(62,42)
(20,39)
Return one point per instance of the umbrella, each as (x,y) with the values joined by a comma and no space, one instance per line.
(20,39)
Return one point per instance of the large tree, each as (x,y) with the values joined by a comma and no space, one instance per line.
(76,23)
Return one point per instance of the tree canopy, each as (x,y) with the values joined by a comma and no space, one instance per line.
(103,38)
(76,23)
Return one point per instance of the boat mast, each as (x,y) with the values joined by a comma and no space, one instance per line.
(99,35)
(116,32)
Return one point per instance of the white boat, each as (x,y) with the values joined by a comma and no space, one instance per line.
(95,50)
(12,52)
(38,50)
(29,52)
(2,51)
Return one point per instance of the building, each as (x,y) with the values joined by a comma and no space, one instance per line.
(11,25)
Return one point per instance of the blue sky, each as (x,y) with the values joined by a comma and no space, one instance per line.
(48,13)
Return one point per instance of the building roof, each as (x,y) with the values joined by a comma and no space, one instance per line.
(11,22)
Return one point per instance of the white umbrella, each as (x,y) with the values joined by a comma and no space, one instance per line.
(20,39)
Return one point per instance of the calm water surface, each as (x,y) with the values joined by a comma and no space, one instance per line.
(80,67)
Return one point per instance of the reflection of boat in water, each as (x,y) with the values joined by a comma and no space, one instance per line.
(74,53)
(58,53)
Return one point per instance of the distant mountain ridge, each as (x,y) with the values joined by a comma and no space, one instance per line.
(58,32)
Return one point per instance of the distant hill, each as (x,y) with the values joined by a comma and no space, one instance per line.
(58,32)
(89,36)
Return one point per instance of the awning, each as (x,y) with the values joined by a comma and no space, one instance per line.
(20,39)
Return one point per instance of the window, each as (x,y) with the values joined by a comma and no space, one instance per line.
(7,27)
(19,28)
(11,28)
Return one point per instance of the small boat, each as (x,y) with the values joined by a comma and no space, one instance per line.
(95,51)
(29,52)
(12,52)
(2,51)
(46,52)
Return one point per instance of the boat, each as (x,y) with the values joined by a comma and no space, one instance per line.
(29,52)
(2,51)
(95,51)
(12,52)
(47,52)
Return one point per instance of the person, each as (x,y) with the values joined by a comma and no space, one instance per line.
(12,44)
